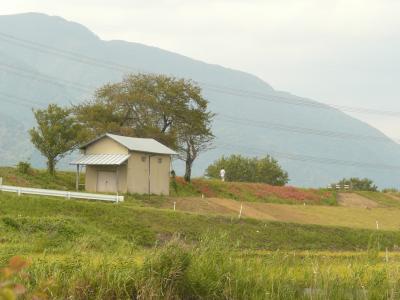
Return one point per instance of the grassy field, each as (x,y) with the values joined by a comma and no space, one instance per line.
(142,249)
(211,270)
(388,218)
(84,250)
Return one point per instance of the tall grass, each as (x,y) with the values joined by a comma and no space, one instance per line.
(213,270)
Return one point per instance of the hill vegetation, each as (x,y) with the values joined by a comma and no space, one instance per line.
(253,192)
(84,249)
(139,249)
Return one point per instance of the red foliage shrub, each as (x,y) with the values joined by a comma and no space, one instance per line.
(204,188)
(284,192)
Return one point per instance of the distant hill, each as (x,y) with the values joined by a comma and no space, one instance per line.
(33,75)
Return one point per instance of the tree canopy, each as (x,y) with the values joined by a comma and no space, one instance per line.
(358,184)
(55,135)
(168,109)
(249,169)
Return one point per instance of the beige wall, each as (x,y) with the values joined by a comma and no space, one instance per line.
(106,146)
(133,176)
(138,174)
(92,172)
(91,179)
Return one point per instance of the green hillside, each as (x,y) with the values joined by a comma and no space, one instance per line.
(84,249)
(250,192)
(139,249)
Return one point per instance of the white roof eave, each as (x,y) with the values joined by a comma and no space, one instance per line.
(101,159)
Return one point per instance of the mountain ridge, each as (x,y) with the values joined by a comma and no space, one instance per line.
(225,99)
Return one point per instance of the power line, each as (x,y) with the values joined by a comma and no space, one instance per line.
(313,159)
(212,87)
(20,100)
(59,52)
(23,72)
(291,156)
(302,130)
(276,126)
(235,92)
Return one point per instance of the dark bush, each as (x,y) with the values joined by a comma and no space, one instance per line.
(24,167)
(249,169)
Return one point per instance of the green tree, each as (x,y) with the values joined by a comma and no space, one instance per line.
(249,169)
(55,135)
(194,136)
(168,109)
(358,184)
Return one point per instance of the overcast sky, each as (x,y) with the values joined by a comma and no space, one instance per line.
(344,52)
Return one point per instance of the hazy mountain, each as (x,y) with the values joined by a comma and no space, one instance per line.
(66,62)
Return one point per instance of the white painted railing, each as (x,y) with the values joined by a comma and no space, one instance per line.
(56,193)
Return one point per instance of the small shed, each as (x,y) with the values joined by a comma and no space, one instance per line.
(121,164)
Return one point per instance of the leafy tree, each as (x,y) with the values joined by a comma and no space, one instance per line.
(168,109)
(194,136)
(55,135)
(358,184)
(245,169)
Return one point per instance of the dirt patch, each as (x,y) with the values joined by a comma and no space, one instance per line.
(199,205)
(355,211)
(248,209)
(355,200)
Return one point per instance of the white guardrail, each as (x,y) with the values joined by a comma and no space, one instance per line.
(64,194)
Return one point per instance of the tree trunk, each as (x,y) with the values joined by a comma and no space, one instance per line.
(51,165)
(188,170)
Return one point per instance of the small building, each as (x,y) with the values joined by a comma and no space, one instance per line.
(120,164)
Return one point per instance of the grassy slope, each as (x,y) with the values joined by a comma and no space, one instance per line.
(355,217)
(39,179)
(35,224)
(253,192)
(211,188)
(383,199)
(92,250)
(310,214)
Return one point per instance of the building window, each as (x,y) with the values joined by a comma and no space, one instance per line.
(160,160)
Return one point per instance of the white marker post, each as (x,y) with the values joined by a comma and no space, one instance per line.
(174,206)
(377,225)
(240,212)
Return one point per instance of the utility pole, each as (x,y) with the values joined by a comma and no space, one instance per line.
(149,179)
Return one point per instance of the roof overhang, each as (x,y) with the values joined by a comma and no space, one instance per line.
(101,160)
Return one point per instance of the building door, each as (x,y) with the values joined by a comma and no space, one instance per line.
(107,182)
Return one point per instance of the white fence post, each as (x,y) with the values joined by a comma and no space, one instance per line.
(240,212)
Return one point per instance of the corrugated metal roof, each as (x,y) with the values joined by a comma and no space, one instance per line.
(101,159)
(138,144)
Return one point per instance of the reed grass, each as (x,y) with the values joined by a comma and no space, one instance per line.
(213,270)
